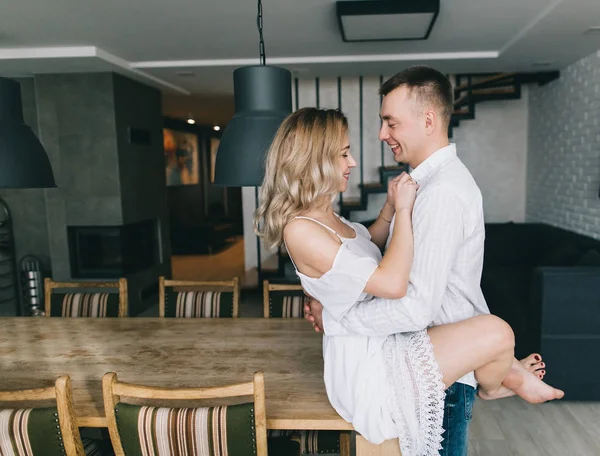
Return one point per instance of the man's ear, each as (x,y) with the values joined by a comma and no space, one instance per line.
(431,119)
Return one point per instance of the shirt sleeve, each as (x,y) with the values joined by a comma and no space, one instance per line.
(343,285)
(438,231)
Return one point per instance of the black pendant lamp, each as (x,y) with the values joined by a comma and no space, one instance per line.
(23,160)
(263,98)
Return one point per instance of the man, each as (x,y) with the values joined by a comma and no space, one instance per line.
(449,234)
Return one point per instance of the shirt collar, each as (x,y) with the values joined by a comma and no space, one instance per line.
(433,162)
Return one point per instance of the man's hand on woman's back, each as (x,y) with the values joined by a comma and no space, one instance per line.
(313,312)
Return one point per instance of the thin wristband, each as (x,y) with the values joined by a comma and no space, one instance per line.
(384,219)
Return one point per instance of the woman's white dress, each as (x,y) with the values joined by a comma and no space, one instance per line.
(387,387)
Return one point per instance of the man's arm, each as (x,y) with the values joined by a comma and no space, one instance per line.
(438,230)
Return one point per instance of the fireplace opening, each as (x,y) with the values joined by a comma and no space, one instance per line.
(113,251)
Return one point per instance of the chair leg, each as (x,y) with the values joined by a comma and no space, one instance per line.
(345,438)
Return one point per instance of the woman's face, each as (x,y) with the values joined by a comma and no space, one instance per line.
(346,163)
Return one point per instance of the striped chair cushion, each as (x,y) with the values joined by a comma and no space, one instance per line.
(286,304)
(97,305)
(198,304)
(208,431)
(30,432)
(312,442)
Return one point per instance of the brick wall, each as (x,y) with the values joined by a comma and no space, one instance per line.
(563,166)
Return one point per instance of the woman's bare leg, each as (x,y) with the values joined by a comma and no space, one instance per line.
(485,344)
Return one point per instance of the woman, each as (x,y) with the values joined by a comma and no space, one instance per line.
(387,387)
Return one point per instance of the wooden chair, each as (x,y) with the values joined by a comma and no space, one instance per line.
(43,431)
(235,430)
(195,299)
(287,301)
(82,304)
(283,300)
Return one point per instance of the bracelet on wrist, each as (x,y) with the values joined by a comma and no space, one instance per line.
(384,219)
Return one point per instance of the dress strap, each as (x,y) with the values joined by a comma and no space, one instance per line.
(290,255)
(316,221)
(322,224)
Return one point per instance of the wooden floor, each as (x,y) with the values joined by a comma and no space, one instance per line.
(511,427)
(219,266)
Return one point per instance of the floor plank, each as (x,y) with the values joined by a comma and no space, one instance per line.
(515,428)
(488,447)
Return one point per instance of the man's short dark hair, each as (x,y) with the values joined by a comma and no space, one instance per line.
(430,86)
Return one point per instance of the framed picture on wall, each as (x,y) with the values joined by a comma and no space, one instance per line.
(181,157)
(214,146)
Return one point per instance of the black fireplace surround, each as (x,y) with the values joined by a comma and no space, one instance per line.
(113,251)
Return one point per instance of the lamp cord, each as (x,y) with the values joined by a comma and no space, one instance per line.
(259,23)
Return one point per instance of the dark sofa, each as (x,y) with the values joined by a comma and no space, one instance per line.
(545,282)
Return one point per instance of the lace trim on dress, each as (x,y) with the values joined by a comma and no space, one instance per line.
(418,393)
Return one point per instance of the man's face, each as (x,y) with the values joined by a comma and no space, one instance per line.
(403,125)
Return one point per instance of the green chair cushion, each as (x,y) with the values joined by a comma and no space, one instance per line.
(25,432)
(206,431)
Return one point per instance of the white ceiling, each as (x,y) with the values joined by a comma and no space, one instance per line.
(154,40)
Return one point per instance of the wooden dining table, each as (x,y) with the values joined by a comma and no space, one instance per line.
(177,353)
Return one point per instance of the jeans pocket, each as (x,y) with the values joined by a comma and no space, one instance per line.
(469,396)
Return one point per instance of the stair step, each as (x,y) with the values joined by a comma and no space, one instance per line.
(463,114)
(542,78)
(391,171)
(481,94)
(385,172)
(484,81)
(352,203)
(374,187)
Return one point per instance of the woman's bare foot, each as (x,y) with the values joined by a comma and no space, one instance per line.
(534,364)
(528,386)
(502,391)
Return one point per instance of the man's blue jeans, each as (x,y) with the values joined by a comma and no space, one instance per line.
(458,409)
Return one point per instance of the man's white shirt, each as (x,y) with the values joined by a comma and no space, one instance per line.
(444,285)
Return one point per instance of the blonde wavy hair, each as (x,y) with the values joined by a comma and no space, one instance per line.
(302,169)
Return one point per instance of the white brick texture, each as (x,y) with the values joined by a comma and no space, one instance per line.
(563,165)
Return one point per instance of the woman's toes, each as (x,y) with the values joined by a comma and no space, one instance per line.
(534,367)
(540,374)
(530,360)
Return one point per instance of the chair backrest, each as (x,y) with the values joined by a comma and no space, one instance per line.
(47,431)
(239,429)
(283,300)
(80,303)
(198,299)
